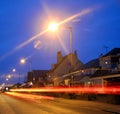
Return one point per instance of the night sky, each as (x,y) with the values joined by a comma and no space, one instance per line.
(21,20)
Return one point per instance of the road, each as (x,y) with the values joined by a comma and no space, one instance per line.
(14,105)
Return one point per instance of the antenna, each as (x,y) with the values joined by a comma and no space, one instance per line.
(106,48)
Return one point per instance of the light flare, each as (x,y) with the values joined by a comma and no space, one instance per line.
(37,44)
(62,44)
(83,12)
(31,39)
(53,26)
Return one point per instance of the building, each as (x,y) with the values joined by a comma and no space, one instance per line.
(102,71)
(109,72)
(77,78)
(65,64)
(111,60)
(91,66)
(106,77)
(38,77)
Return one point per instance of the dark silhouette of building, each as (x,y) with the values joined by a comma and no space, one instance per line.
(38,77)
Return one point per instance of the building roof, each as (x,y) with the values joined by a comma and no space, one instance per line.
(65,57)
(114,51)
(61,61)
(103,72)
(40,72)
(92,64)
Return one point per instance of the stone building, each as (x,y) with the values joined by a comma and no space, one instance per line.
(64,65)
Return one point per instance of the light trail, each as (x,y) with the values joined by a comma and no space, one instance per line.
(89,90)
(29,96)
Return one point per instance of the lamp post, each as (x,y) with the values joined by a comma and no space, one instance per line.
(54,27)
(31,72)
(71,47)
(6,81)
(30,65)
(14,70)
(24,60)
(7,78)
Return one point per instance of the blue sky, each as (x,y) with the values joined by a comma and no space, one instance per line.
(23,19)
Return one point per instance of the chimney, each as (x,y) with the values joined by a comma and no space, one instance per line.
(59,56)
(75,53)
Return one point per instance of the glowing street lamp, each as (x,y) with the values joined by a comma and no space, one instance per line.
(9,76)
(24,61)
(14,70)
(53,26)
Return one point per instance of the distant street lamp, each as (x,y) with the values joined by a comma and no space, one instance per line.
(23,61)
(14,70)
(9,76)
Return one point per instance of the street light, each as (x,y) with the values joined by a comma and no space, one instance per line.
(54,26)
(71,49)
(9,76)
(24,61)
(14,70)
(31,72)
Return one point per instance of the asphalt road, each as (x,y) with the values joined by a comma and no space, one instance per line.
(15,105)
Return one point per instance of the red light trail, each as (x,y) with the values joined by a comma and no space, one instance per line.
(89,90)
